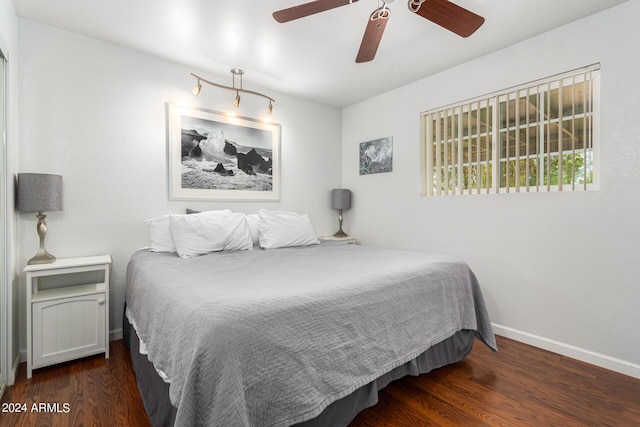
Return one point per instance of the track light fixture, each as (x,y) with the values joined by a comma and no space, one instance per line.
(236,73)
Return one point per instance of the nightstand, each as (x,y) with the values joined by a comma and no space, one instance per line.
(67,310)
(349,240)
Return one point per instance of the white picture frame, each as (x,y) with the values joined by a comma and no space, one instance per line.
(213,156)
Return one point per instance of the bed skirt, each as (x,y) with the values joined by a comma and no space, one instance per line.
(155,392)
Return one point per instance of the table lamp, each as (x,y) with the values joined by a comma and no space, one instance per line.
(39,192)
(340,200)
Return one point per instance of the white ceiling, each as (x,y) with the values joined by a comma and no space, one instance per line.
(313,57)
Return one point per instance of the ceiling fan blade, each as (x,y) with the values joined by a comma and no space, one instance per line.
(306,9)
(454,18)
(372,35)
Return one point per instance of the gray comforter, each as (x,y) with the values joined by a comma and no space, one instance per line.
(271,338)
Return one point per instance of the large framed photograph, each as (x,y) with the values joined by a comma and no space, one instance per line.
(213,156)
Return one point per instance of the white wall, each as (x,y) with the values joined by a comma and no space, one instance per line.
(94,113)
(560,271)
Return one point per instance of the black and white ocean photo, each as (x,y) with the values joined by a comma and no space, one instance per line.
(223,157)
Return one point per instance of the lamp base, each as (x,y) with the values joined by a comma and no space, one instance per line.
(42,256)
(340,233)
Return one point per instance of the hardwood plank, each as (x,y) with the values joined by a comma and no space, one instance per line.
(98,391)
(519,385)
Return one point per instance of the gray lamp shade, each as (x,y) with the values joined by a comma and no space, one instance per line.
(340,198)
(39,192)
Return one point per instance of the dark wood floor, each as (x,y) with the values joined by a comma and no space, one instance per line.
(518,386)
(99,392)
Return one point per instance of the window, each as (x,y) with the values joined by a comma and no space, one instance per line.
(536,137)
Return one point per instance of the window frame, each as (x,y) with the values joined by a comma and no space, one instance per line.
(435,153)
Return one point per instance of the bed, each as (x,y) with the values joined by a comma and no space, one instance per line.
(296,335)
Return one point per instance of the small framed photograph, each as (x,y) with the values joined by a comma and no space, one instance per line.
(213,156)
(376,156)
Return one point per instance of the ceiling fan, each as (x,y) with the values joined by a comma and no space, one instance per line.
(442,12)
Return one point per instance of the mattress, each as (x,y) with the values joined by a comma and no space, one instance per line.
(274,338)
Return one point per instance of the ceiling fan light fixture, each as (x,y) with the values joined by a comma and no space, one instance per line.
(444,13)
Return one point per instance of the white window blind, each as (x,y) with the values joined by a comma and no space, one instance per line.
(536,137)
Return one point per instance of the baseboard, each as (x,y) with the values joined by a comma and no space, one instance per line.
(115,334)
(597,359)
(13,372)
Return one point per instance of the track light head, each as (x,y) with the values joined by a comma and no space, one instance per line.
(197,88)
(236,102)
(270,107)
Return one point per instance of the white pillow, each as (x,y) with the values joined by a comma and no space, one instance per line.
(198,234)
(239,233)
(160,234)
(278,229)
(252,221)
